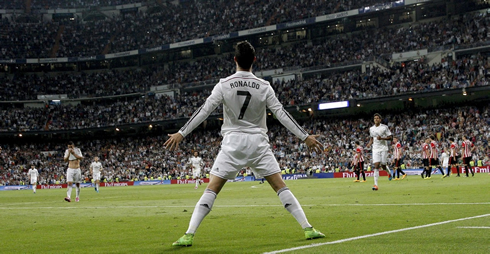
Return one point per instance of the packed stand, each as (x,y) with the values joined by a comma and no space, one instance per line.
(143,158)
(413,77)
(23,86)
(133,110)
(70,4)
(147,30)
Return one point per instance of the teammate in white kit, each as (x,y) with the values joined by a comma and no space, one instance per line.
(73,174)
(196,164)
(95,169)
(245,143)
(33,174)
(380,134)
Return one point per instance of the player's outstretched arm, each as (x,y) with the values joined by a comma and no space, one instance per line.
(314,145)
(173,141)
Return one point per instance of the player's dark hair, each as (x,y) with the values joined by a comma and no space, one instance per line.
(244,54)
(451,139)
(432,137)
(378,114)
(357,143)
(70,143)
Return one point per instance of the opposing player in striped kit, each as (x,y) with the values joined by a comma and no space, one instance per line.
(425,159)
(466,149)
(245,143)
(397,158)
(453,156)
(359,162)
(434,155)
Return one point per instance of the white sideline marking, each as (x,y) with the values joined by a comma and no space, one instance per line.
(475,227)
(376,234)
(225,206)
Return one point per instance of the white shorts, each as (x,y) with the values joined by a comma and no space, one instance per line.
(96,176)
(74,175)
(239,150)
(33,180)
(380,156)
(196,173)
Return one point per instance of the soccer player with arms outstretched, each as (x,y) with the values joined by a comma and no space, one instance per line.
(95,170)
(380,135)
(245,99)
(73,174)
(33,174)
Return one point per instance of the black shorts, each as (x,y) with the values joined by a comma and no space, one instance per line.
(360,166)
(425,162)
(434,162)
(398,162)
(466,160)
(453,160)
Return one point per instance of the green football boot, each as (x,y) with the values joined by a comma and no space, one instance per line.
(311,233)
(185,240)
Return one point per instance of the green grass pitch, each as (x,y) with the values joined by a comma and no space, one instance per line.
(248,217)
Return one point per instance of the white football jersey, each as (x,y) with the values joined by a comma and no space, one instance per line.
(196,162)
(72,157)
(96,166)
(245,99)
(379,131)
(33,173)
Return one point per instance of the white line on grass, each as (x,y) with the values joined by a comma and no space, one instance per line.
(376,234)
(225,206)
(476,227)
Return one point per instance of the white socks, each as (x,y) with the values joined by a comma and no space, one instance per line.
(291,204)
(376,176)
(68,192)
(203,207)
(78,191)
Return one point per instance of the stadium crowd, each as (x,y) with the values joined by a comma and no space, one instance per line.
(146,158)
(177,23)
(413,77)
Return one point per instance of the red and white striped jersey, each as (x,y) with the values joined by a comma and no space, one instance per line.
(453,148)
(354,160)
(359,154)
(397,150)
(425,150)
(467,145)
(433,150)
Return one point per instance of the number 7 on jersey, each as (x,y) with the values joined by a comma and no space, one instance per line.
(245,103)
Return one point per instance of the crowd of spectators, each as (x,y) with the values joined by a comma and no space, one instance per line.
(25,86)
(320,53)
(412,77)
(176,23)
(62,4)
(134,158)
(130,158)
